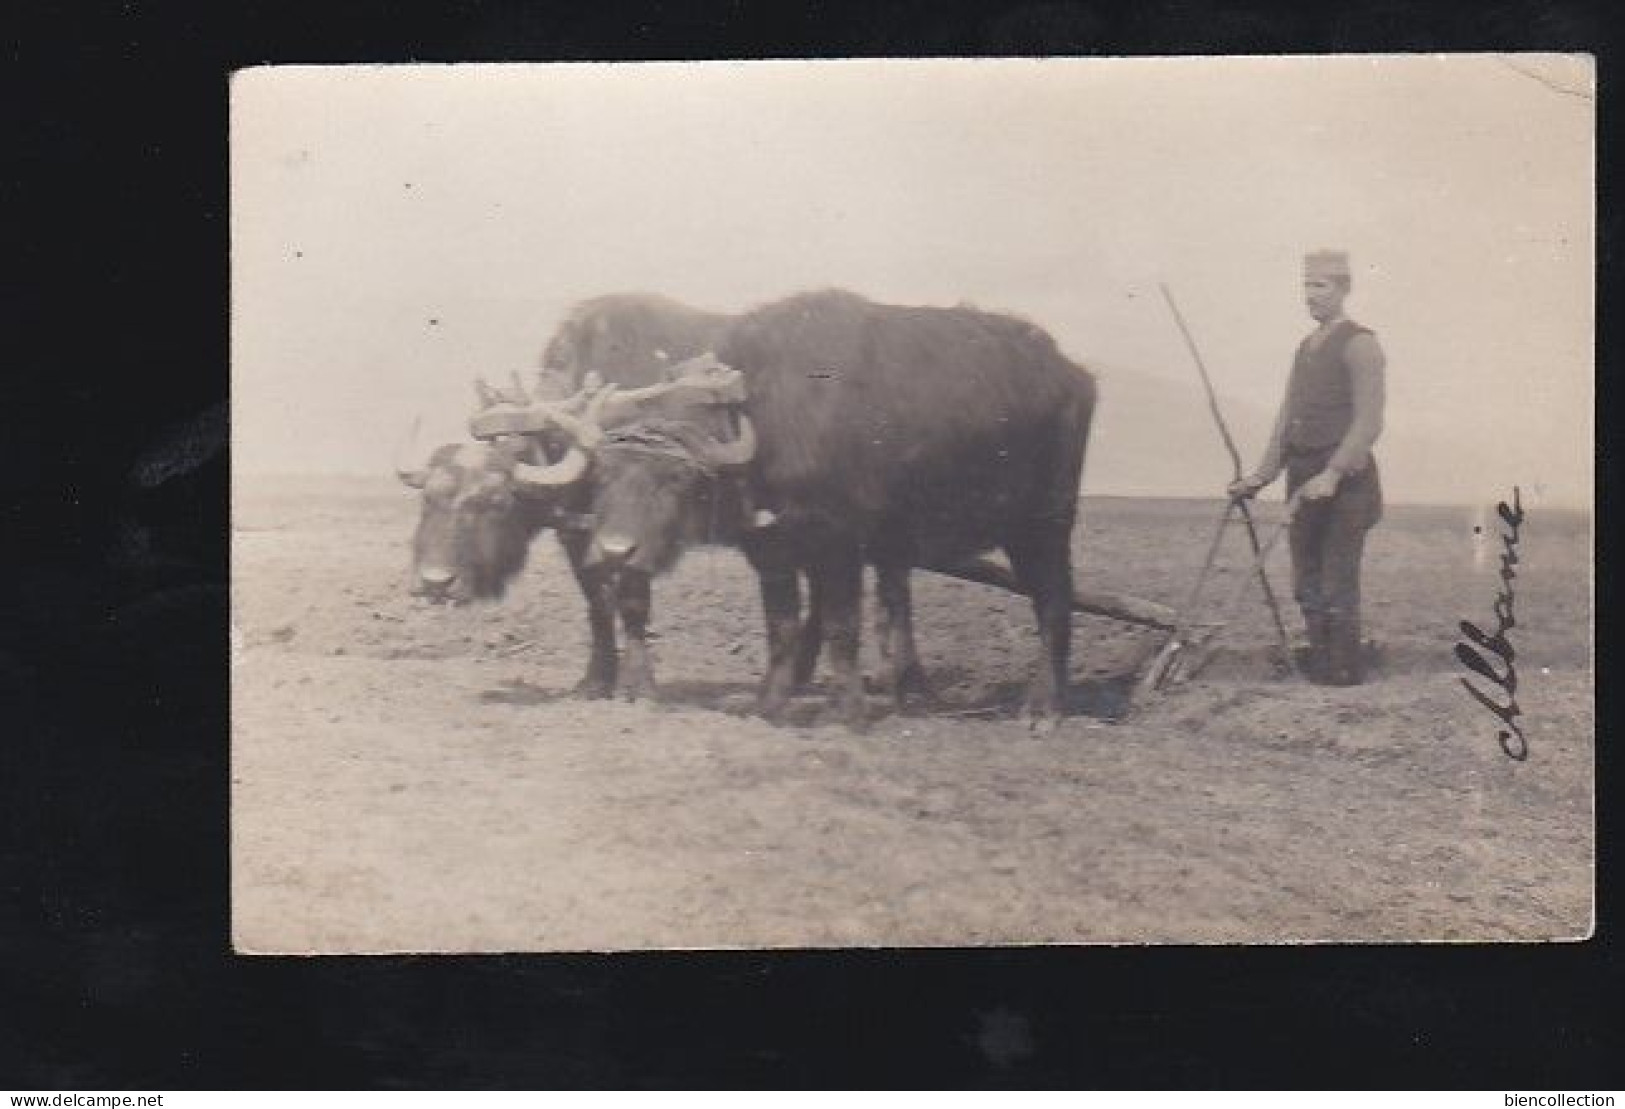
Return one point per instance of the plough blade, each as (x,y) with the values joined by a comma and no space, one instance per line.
(1179,658)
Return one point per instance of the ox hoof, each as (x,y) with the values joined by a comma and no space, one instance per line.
(913,695)
(924,703)
(852,712)
(1041,715)
(1044,702)
(772,709)
(805,667)
(773,697)
(594,689)
(857,725)
(639,691)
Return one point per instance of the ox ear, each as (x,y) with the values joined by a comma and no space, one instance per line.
(485,393)
(517,390)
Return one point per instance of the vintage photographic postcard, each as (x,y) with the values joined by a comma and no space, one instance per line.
(912,503)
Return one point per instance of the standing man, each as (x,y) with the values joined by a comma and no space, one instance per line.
(1323,435)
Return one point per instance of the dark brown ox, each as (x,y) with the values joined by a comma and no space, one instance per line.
(905,437)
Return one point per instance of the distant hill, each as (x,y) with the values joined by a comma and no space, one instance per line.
(1154,437)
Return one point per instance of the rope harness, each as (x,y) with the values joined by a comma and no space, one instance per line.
(679,442)
(663,438)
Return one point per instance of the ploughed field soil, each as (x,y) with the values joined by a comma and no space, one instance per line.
(407,777)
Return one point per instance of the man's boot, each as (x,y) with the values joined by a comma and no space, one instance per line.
(1345,654)
(1312,660)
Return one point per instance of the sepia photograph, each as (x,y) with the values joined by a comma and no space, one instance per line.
(912,503)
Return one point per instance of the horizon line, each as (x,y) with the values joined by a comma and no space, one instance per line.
(1397,502)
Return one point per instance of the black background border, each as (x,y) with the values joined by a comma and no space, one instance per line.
(115,962)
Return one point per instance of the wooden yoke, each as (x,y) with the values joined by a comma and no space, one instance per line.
(703,381)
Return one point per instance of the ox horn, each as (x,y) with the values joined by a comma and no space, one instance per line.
(412,479)
(589,388)
(737,453)
(486,394)
(520,395)
(556,475)
(596,404)
(585,430)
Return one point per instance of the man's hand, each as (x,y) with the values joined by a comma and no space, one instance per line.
(1321,486)
(1244,488)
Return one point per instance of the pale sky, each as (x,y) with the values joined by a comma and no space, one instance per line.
(397,230)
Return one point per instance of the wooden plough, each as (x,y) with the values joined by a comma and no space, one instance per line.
(1188,649)
(988,570)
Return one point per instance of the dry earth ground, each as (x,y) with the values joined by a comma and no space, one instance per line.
(414,778)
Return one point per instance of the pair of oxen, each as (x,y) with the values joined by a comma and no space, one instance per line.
(851,433)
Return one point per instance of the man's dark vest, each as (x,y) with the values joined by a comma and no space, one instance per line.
(1319,394)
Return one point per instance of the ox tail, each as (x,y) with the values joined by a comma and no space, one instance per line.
(1075,422)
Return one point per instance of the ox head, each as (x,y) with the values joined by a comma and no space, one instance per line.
(654,484)
(482,505)
(651,498)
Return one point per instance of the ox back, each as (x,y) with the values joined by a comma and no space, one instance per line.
(949,430)
(630,339)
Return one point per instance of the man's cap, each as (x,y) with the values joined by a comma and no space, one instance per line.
(1326,263)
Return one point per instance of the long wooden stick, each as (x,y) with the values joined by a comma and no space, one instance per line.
(1094,602)
(1207,563)
(1235,463)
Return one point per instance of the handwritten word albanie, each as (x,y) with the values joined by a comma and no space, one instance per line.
(1476,654)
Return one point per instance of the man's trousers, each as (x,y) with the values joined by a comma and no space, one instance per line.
(1328,539)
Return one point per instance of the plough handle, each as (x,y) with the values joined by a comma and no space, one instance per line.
(1235,466)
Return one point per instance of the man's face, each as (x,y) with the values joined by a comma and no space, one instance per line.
(1324,295)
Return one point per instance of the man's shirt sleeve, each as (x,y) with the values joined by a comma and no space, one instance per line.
(1269,467)
(1366,365)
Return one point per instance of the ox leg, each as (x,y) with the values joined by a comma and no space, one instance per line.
(599,680)
(810,640)
(894,624)
(1044,569)
(840,573)
(632,596)
(884,680)
(781,604)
